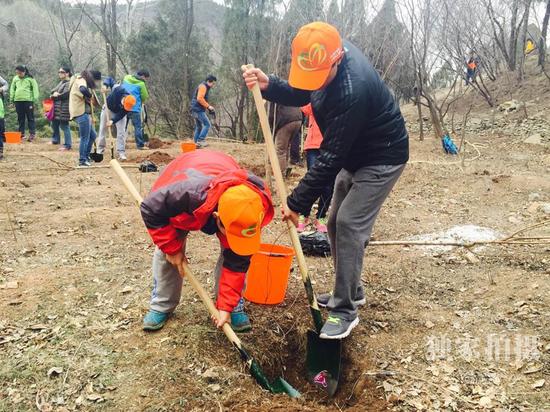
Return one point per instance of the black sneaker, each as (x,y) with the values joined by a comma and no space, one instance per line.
(323,298)
(337,328)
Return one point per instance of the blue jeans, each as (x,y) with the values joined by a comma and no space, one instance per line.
(326,194)
(202,125)
(58,125)
(87,137)
(135,118)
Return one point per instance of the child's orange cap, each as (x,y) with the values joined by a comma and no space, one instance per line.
(316,47)
(241,211)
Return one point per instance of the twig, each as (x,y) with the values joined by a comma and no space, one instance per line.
(62,165)
(10,222)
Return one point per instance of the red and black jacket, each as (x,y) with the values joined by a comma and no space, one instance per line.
(184,197)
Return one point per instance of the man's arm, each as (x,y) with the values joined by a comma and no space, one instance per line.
(3,86)
(342,130)
(144,92)
(119,116)
(201,92)
(12,91)
(279,91)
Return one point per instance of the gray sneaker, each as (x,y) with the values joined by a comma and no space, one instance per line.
(323,298)
(202,144)
(337,328)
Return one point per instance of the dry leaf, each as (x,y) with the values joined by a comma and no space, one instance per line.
(55,371)
(538,384)
(9,285)
(532,369)
(429,324)
(95,397)
(127,289)
(486,402)
(388,387)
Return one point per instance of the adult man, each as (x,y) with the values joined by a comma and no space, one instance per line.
(207,191)
(365,146)
(135,85)
(199,105)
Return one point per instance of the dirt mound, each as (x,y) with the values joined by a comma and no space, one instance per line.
(158,158)
(156,143)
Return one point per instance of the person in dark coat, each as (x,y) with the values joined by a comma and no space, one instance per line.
(60,97)
(365,147)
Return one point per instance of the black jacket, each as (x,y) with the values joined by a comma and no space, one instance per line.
(61,102)
(360,121)
(114,102)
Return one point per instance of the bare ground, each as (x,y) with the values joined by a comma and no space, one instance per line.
(75,281)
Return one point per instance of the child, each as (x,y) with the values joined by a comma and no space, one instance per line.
(24,94)
(119,103)
(208,191)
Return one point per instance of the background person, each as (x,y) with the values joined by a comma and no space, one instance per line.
(287,121)
(136,85)
(199,105)
(312,144)
(24,94)
(3,90)
(60,97)
(81,98)
(119,104)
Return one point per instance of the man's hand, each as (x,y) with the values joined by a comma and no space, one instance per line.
(224,318)
(211,109)
(109,123)
(290,215)
(253,76)
(55,94)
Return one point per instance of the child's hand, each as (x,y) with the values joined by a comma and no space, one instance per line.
(177,260)
(224,318)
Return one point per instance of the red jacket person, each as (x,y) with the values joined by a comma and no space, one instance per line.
(208,191)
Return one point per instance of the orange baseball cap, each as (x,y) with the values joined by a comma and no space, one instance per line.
(241,211)
(128,102)
(316,47)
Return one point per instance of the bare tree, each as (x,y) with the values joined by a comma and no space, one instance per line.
(65,35)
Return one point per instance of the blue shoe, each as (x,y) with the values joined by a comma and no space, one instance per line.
(240,322)
(154,320)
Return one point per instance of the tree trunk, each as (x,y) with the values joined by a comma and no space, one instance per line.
(544,33)
(513,40)
(522,39)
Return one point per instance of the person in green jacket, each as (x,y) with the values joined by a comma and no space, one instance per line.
(135,85)
(24,94)
(3,90)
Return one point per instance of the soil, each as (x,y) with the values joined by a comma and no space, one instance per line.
(75,281)
(157,157)
(156,143)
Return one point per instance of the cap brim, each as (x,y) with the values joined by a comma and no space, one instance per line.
(244,246)
(306,80)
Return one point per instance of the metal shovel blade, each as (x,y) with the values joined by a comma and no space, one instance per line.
(278,386)
(323,362)
(96,157)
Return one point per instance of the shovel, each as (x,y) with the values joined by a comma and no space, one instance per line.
(323,355)
(95,156)
(279,385)
(108,118)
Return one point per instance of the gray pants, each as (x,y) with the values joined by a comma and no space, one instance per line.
(167,284)
(356,201)
(120,132)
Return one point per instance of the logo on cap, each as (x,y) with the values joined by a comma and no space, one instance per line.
(313,58)
(250,232)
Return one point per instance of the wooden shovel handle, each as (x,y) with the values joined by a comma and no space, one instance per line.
(107,115)
(183,269)
(280,183)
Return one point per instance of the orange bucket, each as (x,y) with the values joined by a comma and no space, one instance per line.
(188,147)
(267,276)
(13,137)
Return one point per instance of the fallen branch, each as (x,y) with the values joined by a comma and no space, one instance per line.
(508,240)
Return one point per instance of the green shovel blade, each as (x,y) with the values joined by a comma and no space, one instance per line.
(278,386)
(323,362)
